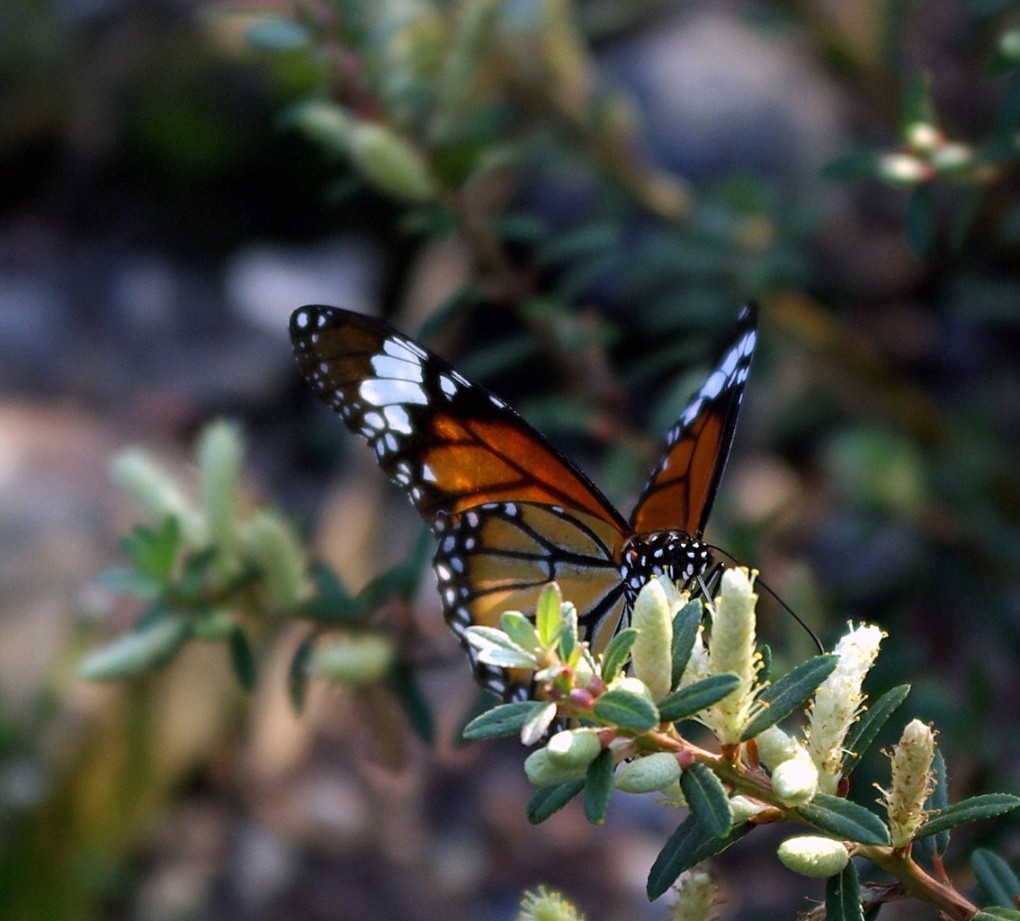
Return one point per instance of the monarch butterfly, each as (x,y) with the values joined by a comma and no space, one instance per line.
(510,512)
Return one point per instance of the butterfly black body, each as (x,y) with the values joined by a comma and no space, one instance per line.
(510,512)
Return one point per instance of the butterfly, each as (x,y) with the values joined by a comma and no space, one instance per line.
(510,512)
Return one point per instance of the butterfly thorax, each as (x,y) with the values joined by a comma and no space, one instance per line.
(674,554)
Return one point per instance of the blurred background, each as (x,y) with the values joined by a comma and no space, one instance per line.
(571,201)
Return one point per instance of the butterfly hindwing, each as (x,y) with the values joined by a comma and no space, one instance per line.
(499,556)
(679,494)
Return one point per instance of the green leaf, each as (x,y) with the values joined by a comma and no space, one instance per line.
(413,701)
(938,802)
(626,710)
(193,574)
(708,800)
(973,809)
(790,692)
(917,105)
(598,787)
(997,879)
(127,581)
(139,651)
(920,221)
(493,647)
(685,630)
(687,847)
(503,720)
(845,820)
(536,727)
(616,653)
(863,733)
(548,618)
(154,550)
(521,630)
(995,913)
(278,34)
(331,609)
(843,896)
(402,580)
(696,697)
(242,660)
(547,800)
(297,673)
(568,637)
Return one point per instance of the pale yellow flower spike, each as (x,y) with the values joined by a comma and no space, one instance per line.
(912,781)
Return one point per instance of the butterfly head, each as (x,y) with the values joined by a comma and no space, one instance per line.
(673,554)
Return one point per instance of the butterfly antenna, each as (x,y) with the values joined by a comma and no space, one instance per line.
(760,581)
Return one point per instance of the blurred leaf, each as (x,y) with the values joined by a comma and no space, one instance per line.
(414,702)
(997,879)
(974,809)
(196,569)
(547,800)
(865,165)
(708,799)
(687,847)
(242,660)
(585,243)
(403,580)
(298,673)
(696,697)
(138,651)
(997,913)
(846,820)
(506,354)
(789,692)
(598,787)
(126,581)
(154,550)
(843,895)
(1009,108)
(917,105)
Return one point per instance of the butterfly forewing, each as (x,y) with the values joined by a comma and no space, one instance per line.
(679,494)
(449,443)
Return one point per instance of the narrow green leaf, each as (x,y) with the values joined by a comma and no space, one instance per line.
(846,820)
(154,550)
(193,575)
(685,630)
(863,733)
(938,802)
(297,673)
(996,913)
(494,647)
(537,725)
(568,636)
(548,618)
(331,609)
(997,879)
(687,846)
(402,580)
(616,653)
(598,787)
(708,800)
(696,697)
(139,651)
(503,720)
(790,692)
(973,809)
(277,33)
(917,105)
(547,800)
(127,581)
(628,711)
(242,660)
(521,630)
(843,896)
(413,701)
(765,672)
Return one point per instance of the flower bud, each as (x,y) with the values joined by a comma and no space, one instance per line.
(652,772)
(837,702)
(277,550)
(574,748)
(744,808)
(776,746)
(542,771)
(813,855)
(923,137)
(912,781)
(651,655)
(695,897)
(903,169)
(157,493)
(220,450)
(795,781)
(136,652)
(544,905)
(355,660)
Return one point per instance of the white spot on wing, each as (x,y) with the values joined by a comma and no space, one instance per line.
(396,368)
(377,392)
(398,419)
